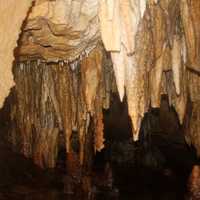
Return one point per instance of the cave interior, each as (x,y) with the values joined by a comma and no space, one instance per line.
(99,99)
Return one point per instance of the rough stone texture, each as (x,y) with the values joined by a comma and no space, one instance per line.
(54,100)
(158,47)
(154,46)
(11,18)
(60,30)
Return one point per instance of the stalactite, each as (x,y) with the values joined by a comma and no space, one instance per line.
(190,19)
(91,75)
(109,79)
(36,112)
(181,100)
(118,65)
(155,78)
(92,78)
(176,63)
(109,24)
(130,20)
(53,99)
(124,23)
(154,48)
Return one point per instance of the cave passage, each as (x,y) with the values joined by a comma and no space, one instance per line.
(155,167)
(99,100)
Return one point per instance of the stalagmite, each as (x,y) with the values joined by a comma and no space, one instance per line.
(12,17)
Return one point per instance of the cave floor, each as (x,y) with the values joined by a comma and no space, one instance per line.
(20,179)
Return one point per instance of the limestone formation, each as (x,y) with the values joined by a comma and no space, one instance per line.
(63,69)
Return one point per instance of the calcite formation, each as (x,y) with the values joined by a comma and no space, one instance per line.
(60,30)
(51,99)
(154,46)
(63,83)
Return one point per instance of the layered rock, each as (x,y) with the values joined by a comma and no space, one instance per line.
(60,30)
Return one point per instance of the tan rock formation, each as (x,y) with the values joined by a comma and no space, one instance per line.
(154,47)
(11,19)
(60,30)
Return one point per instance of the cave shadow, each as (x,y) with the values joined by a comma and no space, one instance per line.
(158,165)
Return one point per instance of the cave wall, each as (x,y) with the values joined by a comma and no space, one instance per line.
(11,19)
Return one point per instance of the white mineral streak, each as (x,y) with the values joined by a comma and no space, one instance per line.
(12,14)
(110,29)
(119,70)
(130,17)
(119,22)
(143,4)
(110,7)
(184,50)
(176,62)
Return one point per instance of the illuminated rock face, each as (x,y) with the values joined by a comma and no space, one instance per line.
(61,30)
(154,47)
(11,18)
(52,100)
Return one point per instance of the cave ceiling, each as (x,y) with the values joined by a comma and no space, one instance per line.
(60,30)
